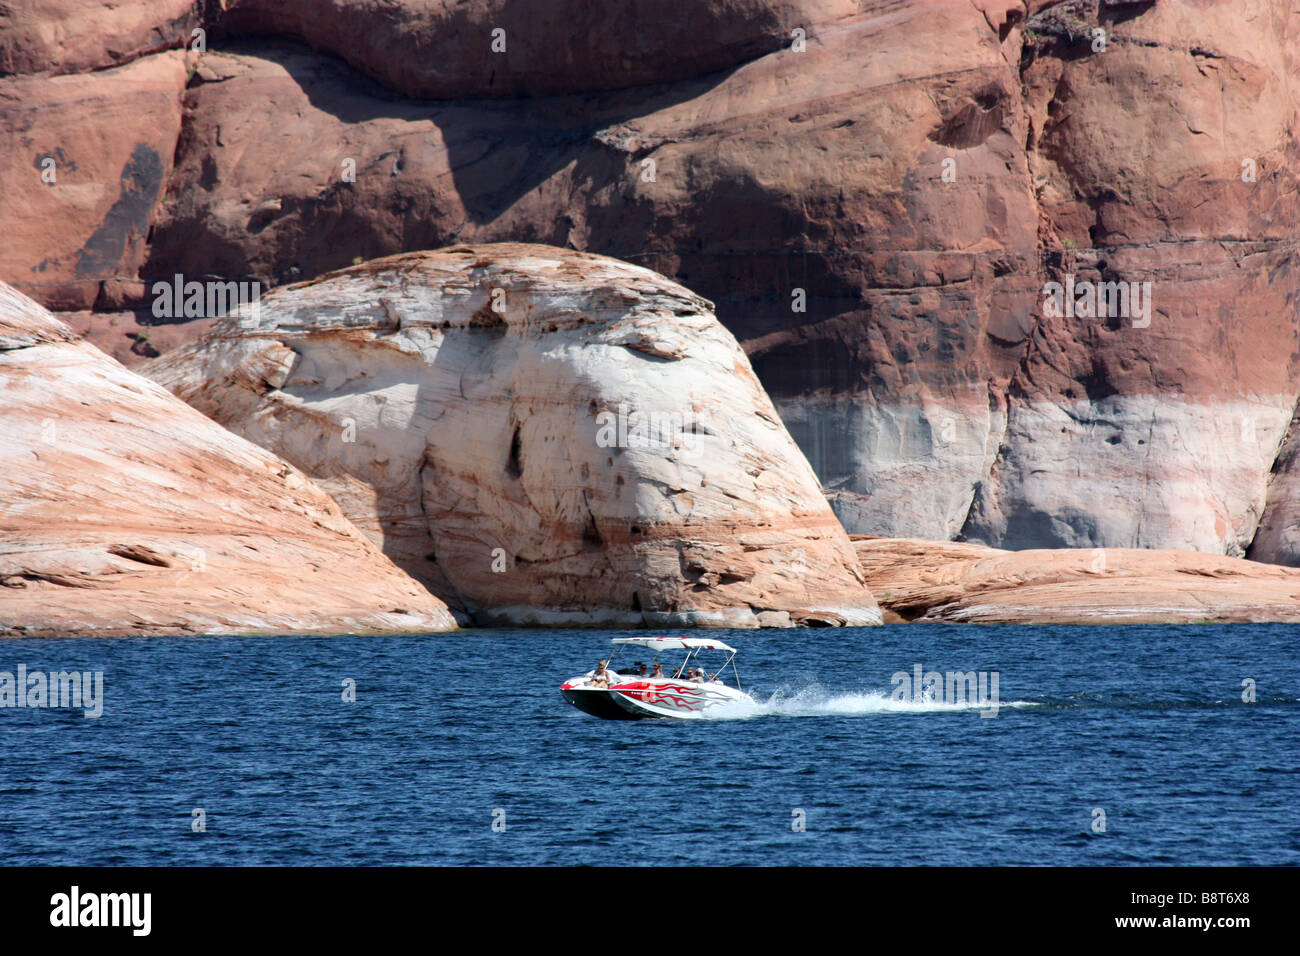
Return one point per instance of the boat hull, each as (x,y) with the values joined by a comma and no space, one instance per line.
(598,703)
(651,698)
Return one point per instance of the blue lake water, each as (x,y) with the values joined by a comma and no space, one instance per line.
(449,733)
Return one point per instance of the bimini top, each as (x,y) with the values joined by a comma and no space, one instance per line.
(675,643)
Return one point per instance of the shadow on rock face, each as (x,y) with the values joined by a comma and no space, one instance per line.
(603,454)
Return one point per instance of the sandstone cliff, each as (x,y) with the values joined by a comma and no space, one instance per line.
(83,163)
(545,436)
(874,206)
(124,511)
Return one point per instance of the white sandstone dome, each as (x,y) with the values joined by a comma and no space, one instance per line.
(540,435)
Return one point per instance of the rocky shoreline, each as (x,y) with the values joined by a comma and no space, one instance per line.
(485,435)
(1015,272)
(876,213)
(539,436)
(123,511)
(929,581)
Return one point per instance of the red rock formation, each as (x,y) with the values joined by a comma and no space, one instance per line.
(129,337)
(72,36)
(447,49)
(913,178)
(1168,158)
(125,511)
(919,580)
(83,162)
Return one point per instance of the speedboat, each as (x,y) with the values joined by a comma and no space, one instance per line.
(635,696)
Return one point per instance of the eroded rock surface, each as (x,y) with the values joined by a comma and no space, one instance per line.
(124,511)
(84,160)
(71,36)
(448,49)
(918,580)
(910,178)
(543,435)
(1160,429)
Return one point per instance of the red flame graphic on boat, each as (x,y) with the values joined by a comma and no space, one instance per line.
(676,696)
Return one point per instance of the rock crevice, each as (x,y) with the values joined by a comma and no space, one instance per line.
(601,453)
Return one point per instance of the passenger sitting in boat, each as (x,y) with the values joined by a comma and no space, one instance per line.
(640,669)
(602,676)
(658,671)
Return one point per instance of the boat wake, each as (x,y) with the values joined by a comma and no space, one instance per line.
(816,701)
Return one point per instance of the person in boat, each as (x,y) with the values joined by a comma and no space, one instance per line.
(658,671)
(602,676)
(640,669)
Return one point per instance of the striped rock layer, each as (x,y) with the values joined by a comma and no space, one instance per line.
(873,192)
(123,511)
(541,436)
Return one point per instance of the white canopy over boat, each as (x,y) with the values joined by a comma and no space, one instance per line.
(675,643)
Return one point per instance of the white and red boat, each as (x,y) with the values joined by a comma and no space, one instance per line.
(624,696)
